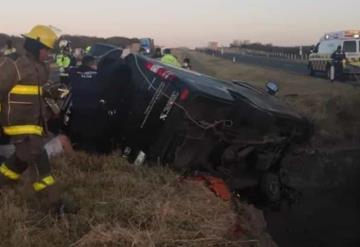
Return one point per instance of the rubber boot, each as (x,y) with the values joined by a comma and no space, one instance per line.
(51,201)
(3,181)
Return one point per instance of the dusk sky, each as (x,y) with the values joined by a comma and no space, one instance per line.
(187,22)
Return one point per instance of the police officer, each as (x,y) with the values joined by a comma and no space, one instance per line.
(169,58)
(337,63)
(65,60)
(23,115)
(87,117)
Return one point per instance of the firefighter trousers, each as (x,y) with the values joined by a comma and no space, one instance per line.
(30,153)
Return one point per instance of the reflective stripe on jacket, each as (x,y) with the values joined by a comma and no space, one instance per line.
(22,106)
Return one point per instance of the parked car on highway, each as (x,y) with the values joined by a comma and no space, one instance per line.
(320,59)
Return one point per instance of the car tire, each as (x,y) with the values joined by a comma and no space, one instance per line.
(270,187)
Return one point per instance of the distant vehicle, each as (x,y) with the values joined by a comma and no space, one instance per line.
(320,58)
(147,44)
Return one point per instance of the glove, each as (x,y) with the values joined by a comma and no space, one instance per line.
(63,92)
(125,53)
(55,91)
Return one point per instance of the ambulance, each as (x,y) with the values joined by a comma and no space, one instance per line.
(320,57)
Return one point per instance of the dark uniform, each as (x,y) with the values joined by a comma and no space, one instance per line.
(87,119)
(337,59)
(22,118)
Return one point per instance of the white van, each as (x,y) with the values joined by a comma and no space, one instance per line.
(320,58)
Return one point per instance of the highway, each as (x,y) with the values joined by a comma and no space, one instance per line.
(293,66)
(298,67)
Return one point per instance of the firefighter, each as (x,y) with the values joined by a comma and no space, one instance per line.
(23,116)
(9,50)
(337,63)
(170,59)
(65,60)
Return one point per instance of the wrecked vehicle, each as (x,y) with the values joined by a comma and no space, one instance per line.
(191,121)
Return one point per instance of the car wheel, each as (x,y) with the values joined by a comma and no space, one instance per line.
(270,187)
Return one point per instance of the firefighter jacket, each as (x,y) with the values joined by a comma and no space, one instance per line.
(22,105)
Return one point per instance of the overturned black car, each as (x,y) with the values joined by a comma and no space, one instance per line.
(191,121)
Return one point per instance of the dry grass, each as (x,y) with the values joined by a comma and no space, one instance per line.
(123,205)
(331,106)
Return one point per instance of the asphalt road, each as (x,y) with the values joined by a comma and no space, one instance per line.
(298,67)
(292,66)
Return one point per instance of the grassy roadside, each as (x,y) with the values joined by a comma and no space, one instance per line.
(122,205)
(331,106)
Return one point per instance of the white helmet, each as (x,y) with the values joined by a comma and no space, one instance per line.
(64,44)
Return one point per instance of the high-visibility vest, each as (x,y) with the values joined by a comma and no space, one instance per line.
(63,61)
(88,49)
(170,59)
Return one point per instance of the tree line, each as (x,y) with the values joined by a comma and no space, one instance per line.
(77,41)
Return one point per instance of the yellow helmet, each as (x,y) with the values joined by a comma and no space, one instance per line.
(45,35)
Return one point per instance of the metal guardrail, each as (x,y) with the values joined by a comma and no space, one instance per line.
(284,55)
(281,55)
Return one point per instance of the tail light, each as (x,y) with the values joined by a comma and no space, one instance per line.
(167,75)
(184,94)
(161,71)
